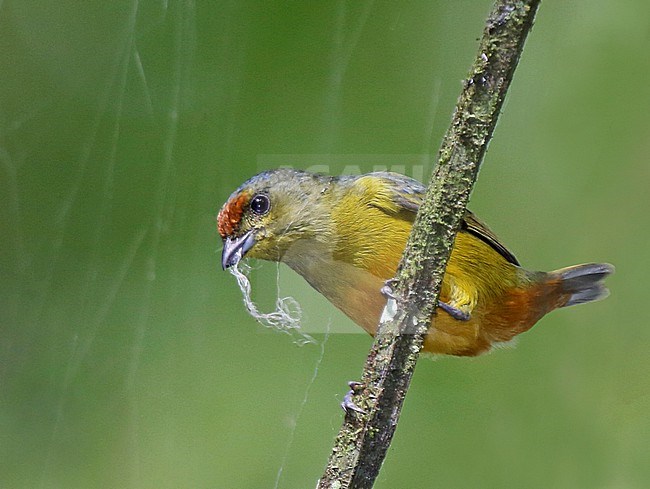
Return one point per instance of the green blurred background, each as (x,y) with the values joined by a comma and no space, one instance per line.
(127,359)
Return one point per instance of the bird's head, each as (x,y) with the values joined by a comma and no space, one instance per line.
(271,212)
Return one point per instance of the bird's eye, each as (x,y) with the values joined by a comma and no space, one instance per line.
(260,204)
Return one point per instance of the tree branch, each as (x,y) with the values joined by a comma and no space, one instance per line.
(363,440)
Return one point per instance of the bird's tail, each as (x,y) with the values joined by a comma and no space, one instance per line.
(524,306)
(581,283)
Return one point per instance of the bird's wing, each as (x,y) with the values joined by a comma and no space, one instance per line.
(472,225)
(405,196)
(396,193)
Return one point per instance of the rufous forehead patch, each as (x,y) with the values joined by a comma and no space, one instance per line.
(231,213)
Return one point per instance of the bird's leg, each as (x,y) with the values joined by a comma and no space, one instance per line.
(348,405)
(460,299)
(454,312)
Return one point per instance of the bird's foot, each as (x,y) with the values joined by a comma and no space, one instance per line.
(387,289)
(454,312)
(348,404)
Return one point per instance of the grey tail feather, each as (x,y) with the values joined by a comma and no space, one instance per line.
(584,283)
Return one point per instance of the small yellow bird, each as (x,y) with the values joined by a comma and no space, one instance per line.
(345,235)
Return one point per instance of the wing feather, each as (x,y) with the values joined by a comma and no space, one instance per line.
(406,195)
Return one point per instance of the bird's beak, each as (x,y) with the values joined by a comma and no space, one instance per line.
(235,248)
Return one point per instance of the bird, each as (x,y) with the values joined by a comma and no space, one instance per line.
(345,236)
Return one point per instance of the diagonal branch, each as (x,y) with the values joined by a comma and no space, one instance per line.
(363,440)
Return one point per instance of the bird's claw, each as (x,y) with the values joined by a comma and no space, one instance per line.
(348,404)
(387,289)
(454,312)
